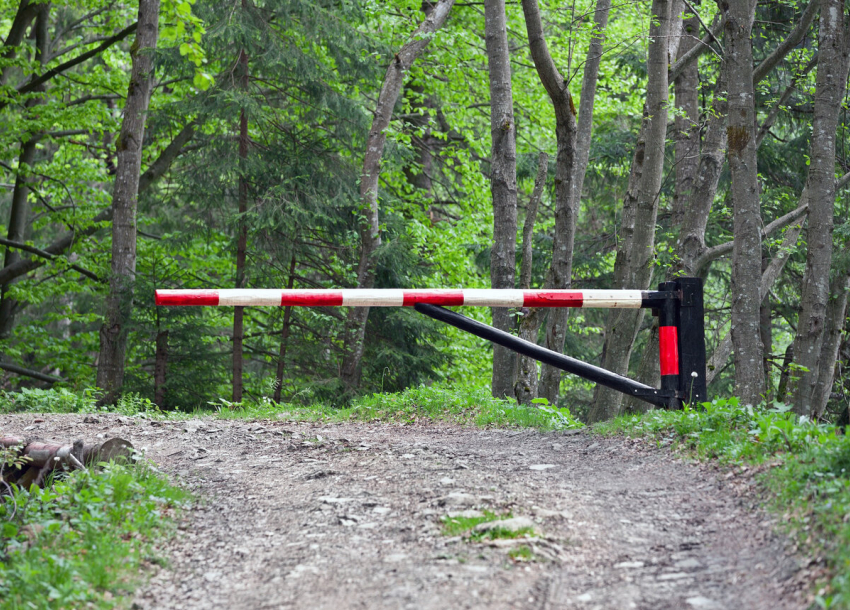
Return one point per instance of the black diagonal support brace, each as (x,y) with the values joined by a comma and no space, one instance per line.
(592,373)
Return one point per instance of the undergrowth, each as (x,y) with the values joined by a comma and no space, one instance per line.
(807,474)
(464,406)
(81,541)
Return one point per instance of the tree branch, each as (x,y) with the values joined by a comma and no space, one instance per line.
(19,370)
(715,252)
(153,173)
(695,52)
(44,254)
(791,41)
(40,80)
(770,119)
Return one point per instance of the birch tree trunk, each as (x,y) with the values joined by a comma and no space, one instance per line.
(119,302)
(635,258)
(562,254)
(370,234)
(830,86)
(746,254)
(20,210)
(502,183)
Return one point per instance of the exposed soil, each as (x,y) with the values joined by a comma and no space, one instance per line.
(337,516)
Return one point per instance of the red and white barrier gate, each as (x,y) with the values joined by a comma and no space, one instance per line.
(678,304)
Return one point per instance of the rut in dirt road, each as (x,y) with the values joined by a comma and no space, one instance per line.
(299,515)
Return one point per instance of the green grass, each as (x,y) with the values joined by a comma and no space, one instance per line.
(460,526)
(82,541)
(522,554)
(464,406)
(806,471)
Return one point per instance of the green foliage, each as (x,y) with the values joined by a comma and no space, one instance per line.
(806,469)
(82,541)
(62,400)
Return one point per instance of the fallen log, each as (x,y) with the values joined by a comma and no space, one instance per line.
(27,462)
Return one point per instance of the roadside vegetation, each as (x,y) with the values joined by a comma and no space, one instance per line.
(465,406)
(806,470)
(82,541)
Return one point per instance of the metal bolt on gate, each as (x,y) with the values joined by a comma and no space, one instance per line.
(678,305)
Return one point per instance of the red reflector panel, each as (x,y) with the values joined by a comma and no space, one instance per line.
(186,297)
(668,338)
(433,297)
(538,298)
(312,298)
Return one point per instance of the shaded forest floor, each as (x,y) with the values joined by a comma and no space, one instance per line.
(317,515)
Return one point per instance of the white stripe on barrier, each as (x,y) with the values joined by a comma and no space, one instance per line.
(620,299)
(486,297)
(378,297)
(248,297)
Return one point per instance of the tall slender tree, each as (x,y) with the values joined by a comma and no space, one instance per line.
(503,185)
(19,214)
(746,254)
(633,266)
(242,231)
(119,302)
(830,87)
(370,233)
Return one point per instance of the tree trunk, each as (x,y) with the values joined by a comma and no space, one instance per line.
(686,164)
(19,212)
(746,253)
(766,332)
(242,238)
(830,86)
(284,335)
(562,247)
(119,302)
(525,388)
(502,183)
(836,316)
(686,129)
(370,235)
(160,368)
(636,258)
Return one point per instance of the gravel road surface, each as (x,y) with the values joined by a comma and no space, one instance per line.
(338,516)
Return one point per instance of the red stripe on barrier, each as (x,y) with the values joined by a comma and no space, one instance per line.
(668,343)
(312,298)
(186,297)
(538,298)
(433,297)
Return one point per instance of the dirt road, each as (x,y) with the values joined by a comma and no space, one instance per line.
(315,516)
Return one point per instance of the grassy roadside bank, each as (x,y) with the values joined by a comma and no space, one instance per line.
(806,474)
(462,406)
(83,541)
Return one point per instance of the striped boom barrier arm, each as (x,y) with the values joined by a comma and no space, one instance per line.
(678,305)
(608,299)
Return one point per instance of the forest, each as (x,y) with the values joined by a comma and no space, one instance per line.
(421,144)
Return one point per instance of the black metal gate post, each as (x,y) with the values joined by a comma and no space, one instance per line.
(691,339)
